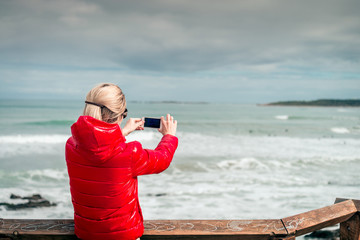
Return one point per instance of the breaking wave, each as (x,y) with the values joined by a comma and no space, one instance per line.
(340,130)
(15,145)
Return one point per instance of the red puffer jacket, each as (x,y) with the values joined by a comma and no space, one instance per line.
(103,172)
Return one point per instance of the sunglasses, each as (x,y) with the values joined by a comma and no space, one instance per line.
(124,114)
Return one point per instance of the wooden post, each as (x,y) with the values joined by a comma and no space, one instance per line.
(350,229)
(320,218)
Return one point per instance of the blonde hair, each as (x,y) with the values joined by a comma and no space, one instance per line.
(111,97)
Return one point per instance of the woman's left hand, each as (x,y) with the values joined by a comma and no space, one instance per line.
(131,125)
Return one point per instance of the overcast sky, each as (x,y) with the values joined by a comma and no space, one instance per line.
(229,51)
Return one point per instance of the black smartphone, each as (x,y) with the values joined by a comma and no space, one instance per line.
(152,122)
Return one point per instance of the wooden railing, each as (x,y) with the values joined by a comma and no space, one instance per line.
(344,211)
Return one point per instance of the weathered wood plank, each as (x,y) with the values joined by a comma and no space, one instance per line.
(218,227)
(213,229)
(41,237)
(356,202)
(255,229)
(320,218)
(39,229)
(207,237)
(350,229)
(37,226)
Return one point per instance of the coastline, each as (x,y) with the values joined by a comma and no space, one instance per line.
(316,103)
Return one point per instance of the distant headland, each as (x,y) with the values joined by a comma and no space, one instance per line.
(170,102)
(318,103)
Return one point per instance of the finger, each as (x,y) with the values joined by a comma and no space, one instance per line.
(139,121)
(162,122)
(168,117)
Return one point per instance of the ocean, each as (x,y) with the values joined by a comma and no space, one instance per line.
(234,161)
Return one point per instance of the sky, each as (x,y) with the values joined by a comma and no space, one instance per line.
(240,51)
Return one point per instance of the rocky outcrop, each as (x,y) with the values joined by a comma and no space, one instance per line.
(34,201)
(320,103)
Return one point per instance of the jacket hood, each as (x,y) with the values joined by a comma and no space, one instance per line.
(96,137)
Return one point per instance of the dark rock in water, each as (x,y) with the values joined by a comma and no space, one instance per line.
(156,195)
(324,235)
(29,204)
(33,197)
(160,194)
(13,196)
(34,201)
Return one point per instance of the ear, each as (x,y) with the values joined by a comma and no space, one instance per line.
(119,120)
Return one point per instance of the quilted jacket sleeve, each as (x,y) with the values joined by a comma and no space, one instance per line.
(146,161)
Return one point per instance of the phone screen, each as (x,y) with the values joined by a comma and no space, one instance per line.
(152,122)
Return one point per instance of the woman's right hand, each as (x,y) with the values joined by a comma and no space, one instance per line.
(168,126)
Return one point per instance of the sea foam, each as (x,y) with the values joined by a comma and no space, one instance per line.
(26,139)
(287,149)
(14,145)
(282,117)
(244,163)
(341,130)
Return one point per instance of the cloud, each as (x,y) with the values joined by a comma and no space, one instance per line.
(260,41)
(181,35)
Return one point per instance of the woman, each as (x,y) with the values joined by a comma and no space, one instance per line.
(103,168)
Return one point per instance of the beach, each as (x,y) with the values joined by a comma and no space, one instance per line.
(234,161)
